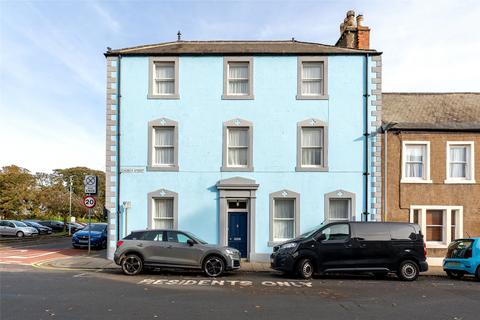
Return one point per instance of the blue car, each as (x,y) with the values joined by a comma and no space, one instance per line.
(98,233)
(463,257)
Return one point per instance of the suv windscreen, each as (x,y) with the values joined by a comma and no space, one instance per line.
(459,249)
(191,235)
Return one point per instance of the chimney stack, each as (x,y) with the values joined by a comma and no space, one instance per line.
(353,34)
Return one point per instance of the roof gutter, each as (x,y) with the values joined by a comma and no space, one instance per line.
(119,98)
(366,135)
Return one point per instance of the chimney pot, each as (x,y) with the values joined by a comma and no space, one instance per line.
(360,20)
(350,19)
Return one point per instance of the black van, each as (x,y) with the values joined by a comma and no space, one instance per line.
(373,247)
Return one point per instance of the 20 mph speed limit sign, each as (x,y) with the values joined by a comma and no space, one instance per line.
(89,201)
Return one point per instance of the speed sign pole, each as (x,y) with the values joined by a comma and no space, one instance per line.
(89,228)
(89,202)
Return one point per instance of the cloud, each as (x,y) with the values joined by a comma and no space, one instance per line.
(107,18)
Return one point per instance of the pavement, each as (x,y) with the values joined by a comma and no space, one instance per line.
(92,263)
(58,254)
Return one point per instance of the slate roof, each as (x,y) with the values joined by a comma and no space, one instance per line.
(226,47)
(432,111)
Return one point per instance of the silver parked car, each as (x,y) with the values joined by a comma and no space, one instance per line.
(173,249)
(16,228)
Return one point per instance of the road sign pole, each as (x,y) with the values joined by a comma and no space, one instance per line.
(89,228)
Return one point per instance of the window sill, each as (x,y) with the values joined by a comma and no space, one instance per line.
(239,97)
(172,168)
(311,169)
(303,97)
(164,97)
(234,169)
(415,181)
(459,181)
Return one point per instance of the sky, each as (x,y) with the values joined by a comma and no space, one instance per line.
(53,74)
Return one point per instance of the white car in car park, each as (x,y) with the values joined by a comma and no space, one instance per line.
(16,229)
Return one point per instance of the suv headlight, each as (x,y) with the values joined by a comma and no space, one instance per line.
(230,252)
(290,245)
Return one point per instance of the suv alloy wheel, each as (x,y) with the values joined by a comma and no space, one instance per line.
(213,266)
(132,265)
(408,271)
(305,268)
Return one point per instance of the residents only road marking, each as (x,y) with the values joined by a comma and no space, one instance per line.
(227,283)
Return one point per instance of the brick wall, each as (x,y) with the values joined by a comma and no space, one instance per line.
(403,195)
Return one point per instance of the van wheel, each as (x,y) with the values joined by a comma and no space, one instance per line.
(132,265)
(408,271)
(454,274)
(305,268)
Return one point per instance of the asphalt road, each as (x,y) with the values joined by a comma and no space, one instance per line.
(31,293)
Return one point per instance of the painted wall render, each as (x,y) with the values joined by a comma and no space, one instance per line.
(200,113)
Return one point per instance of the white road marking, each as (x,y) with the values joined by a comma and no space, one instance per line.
(229,283)
(30,257)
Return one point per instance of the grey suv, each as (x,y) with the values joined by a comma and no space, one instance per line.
(173,249)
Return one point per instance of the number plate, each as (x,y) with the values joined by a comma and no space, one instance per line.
(83,241)
(454,264)
(237,239)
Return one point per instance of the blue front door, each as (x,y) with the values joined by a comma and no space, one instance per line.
(237,232)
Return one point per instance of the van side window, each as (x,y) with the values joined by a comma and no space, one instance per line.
(337,232)
(402,232)
(371,231)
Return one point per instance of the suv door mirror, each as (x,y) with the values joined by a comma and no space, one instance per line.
(322,237)
(190,242)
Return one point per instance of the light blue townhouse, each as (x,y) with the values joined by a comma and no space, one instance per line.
(243,143)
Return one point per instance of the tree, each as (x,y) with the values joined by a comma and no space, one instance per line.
(78,174)
(17,192)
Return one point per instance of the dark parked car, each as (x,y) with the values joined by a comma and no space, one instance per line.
(175,249)
(350,247)
(56,226)
(41,229)
(74,227)
(98,233)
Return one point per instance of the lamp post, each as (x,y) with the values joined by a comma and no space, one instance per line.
(70,211)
